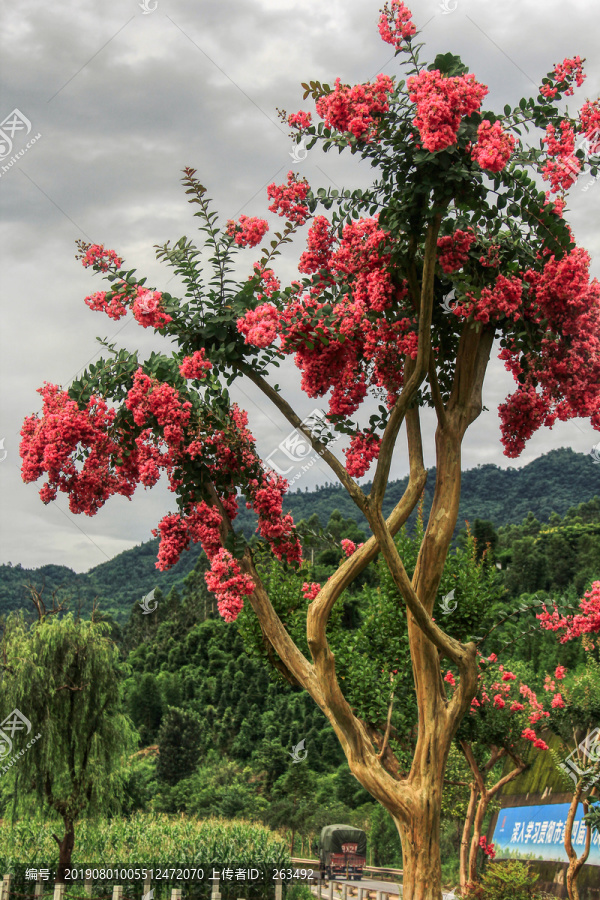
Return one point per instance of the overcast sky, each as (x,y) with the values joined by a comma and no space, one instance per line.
(123,99)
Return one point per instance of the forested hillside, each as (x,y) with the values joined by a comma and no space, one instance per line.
(551,484)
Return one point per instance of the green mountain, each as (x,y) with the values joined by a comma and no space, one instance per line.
(553,483)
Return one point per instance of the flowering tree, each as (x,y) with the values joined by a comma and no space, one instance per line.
(500,719)
(575,718)
(452,212)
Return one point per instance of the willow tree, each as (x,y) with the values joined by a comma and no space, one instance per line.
(64,677)
(405,287)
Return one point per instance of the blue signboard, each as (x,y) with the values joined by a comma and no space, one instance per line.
(538,832)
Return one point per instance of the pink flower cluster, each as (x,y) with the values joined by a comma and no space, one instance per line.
(310,591)
(349,547)
(565,73)
(196,366)
(276,528)
(268,282)
(147,308)
(95,255)
(363,449)
(227,582)
(570,70)
(500,698)
(319,241)
(248,231)
(345,347)
(561,377)
(441,104)
(110,303)
(454,249)
(300,120)
(562,171)
(259,326)
(356,109)
(224,578)
(556,206)
(530,735)
(149,398)
(146,305)
(589,120)
(503,299)
(49,444)
(494,146)
(395,23)
(574,626)
(288,200)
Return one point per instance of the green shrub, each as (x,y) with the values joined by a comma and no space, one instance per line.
(298,892)
(507,880)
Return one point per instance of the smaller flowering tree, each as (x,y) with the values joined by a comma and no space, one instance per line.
(499,722)
(574,716)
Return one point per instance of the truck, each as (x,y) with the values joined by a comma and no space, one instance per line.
(342,851)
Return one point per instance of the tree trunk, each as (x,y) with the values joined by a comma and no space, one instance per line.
(466,837)
(482,806)
(65,849)
(421,865)
(575,864)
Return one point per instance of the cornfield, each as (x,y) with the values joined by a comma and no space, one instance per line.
(152,842)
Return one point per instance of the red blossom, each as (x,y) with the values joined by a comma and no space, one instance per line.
(109,303)
(227,582)
(311,590)
(494,146)
(573,626)
(288,200)
(196,366)
(95,255)
(300,120)
(248,232)
(454,249)
(364,448)
(259,326)
(49,445)
(356,109)
(319,241)
(147,308)
(441,104)
(395,23)
(488,849)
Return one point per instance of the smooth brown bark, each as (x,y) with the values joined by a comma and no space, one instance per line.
(465,842)
(575,863)
(420,838)
(481,796)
